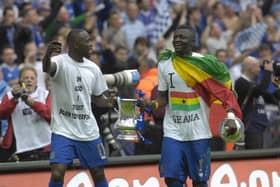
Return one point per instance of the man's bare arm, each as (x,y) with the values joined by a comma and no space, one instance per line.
(54,48)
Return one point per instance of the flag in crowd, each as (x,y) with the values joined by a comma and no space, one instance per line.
(161,23)
(250,37)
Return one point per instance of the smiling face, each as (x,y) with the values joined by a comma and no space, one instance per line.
(28,75)
(183,41)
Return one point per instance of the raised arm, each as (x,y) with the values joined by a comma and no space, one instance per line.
(54,48)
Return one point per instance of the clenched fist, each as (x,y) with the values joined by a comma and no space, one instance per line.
(54,48)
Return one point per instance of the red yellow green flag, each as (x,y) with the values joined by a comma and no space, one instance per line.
(205,75)
(184,101)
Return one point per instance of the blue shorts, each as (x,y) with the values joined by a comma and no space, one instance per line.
(180,160)
(90,153)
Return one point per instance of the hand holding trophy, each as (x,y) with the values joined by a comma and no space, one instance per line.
(232,128)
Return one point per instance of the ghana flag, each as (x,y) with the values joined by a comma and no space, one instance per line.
(186,101)
(208,77)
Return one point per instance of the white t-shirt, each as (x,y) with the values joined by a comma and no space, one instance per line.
(72,87)
(186,115)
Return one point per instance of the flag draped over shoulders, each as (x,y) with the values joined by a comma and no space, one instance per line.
(205,75)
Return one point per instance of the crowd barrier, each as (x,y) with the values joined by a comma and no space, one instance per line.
(249,168)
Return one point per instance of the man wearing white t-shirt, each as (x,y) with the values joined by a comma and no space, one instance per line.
(185,88)
(75,83)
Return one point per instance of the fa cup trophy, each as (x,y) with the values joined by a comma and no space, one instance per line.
(232,128)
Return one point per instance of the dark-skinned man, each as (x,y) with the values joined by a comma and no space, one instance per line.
(75,83)
(188,83)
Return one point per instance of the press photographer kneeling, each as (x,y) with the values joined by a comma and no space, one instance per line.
(253,96)
(27,109)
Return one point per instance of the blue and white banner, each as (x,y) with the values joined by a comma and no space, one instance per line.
(250,37)
(161,23)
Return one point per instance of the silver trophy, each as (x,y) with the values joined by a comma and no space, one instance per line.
(127,118)
(232,129)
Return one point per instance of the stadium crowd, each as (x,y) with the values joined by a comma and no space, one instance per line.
(130,34)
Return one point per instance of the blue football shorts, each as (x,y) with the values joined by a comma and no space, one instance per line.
(182,159)
(90,153)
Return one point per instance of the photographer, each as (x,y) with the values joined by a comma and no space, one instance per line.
(27,109)
(252,98)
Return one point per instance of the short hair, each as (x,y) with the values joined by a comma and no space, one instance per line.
(220,50)
(6,47)
(264,46)
(25,12)
(121,47)
(6,9)
(190,11)
(141,40)
(185,26)
(72,35)
(26,68)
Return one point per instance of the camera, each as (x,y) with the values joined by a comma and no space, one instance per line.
(22,92)
(123,78)
(276,68)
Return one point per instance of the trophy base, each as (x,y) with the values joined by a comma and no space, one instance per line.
(132,138)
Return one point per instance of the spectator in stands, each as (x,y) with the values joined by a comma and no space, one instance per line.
(219,15)
(148,76)
(235,59)
(12,34)
(30,20)
(120,6)
(194,17)
(31,59)
(231,19)
(147,12)
(112,32)
(9,68)
(140,51)
(44,10)
(10,3)
(273,31)
(4,88)
(265,53)
(63,20)
(132,27)
(252,97)
(217,39)
(27,108)
(114,61)
(221,55)
(148,81)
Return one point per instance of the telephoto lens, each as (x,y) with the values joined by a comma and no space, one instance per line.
(109,138)
(123,78)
